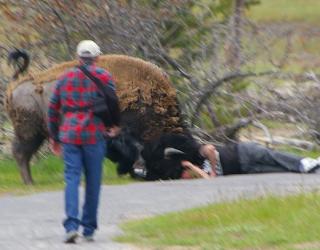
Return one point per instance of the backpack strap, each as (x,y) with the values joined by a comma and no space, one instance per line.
(109,95)
(97,81)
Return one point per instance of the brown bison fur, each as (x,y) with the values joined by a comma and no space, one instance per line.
(148,103)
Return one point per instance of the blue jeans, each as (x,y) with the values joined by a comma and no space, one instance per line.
(255,158)
(89,158)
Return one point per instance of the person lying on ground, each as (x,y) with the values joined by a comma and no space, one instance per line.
(176,156)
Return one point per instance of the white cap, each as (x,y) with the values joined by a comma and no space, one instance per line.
(88,48)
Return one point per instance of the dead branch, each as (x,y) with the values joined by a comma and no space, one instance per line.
(213,85)
(277,140)
(231,131)
(265,130)
(64,27)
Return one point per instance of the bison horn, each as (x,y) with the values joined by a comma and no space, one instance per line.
(172,151)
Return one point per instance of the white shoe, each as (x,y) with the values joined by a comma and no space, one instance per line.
(309,164)
(71,237)
(88,238)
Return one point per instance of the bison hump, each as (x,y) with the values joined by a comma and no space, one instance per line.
(148,100)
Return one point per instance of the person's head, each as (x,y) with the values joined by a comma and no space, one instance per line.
(88,51)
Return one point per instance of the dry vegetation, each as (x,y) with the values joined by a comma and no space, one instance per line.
(231,66)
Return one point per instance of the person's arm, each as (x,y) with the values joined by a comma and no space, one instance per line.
(195,170)
(208,151)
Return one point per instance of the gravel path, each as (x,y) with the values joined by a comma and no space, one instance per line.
(34,221)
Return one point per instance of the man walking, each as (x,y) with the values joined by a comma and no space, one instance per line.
(73,125)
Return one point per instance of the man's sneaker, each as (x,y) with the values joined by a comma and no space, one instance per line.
(88,238)
(71,237)
(309,165)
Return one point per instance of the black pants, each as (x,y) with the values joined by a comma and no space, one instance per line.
(255,158)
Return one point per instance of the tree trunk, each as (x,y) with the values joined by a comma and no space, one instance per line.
(235,43)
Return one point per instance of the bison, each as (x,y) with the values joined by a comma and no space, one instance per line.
(148,104)
(159,158)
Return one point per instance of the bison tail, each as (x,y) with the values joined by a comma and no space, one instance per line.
(20,60)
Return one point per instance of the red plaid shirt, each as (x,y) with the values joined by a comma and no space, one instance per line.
(75,90)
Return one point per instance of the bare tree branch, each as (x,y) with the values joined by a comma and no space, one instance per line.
(205,95)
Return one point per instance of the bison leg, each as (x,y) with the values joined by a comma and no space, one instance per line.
(22,151)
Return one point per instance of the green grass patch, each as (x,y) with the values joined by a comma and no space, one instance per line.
(297,151)
(274,124)
(264,223)
(301,16)
(48,175)
(286,10)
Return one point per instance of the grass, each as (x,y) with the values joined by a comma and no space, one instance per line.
(265,223)
(300,16)
(301,57)
(297,151)
(305,11)
(48,175)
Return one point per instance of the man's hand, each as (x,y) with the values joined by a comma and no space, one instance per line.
(112,131)
(187,164)
(55,147)
(195,170)
(212,174)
